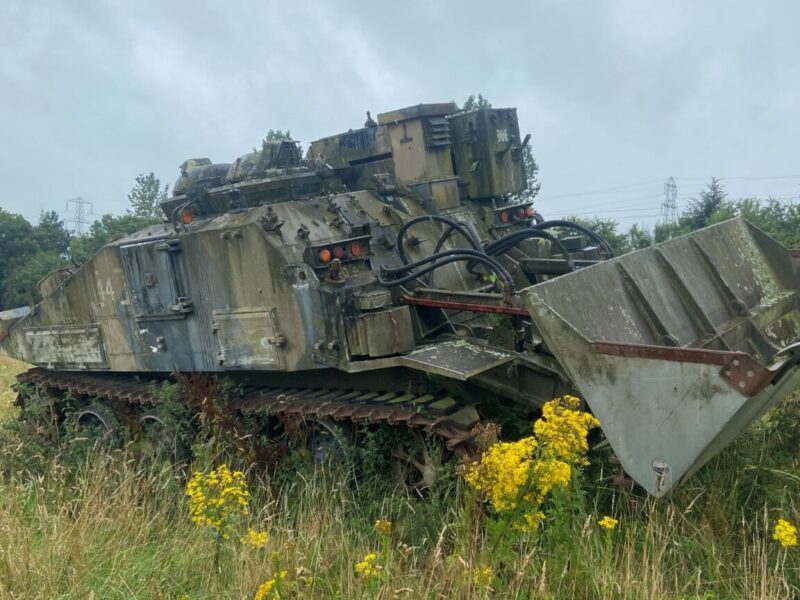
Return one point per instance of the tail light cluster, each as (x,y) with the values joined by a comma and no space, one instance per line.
(343,251)
(513,214)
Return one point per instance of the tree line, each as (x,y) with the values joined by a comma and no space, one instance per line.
(29,251)
(779,219)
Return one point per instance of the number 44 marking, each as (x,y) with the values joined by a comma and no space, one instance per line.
(108,290)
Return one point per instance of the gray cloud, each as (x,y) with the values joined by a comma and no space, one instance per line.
(615,93)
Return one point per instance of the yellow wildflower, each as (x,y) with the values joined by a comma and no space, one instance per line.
(217,498)
(533,518)
(367,568)
(517,476)
(383,527)
(502,472)
(482,576)
(785,534)
(267,589)
(608,522)
(562,430)
(551,473)
(255,539)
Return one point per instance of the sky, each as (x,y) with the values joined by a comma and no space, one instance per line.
(618,95)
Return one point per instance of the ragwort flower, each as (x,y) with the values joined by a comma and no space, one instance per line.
(216,499)
(383,527)
(785,534)
(367,568)
(608,522)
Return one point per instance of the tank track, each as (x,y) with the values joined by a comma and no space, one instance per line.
(441,416)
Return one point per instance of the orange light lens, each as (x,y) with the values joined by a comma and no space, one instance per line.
(338,252)
(504,216)
(186,216)
(355,249)
(529,211)
(325,255)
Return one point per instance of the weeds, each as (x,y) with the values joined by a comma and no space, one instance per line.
(102,524)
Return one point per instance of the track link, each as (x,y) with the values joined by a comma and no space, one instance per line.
(441,416)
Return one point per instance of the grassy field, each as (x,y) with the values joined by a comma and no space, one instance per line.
(9,369)
(76,523)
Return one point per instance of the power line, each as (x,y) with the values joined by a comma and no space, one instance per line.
(746,177)
(678,178)
(602,212)
(618,203)
(604,190)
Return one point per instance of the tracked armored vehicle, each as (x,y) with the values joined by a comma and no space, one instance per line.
(396,274)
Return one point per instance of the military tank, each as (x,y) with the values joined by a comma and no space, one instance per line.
(397,274)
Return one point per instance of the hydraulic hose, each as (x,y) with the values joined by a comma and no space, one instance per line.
(450,222)
(503,244)
(444,259)
(596,237)
(461,252)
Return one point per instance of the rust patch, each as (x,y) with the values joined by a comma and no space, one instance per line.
(471,307)
(288,404)
(741,371)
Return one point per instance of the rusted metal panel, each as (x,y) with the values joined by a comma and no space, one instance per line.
(381,333)
(740,370)
(64,347)
(497,309)
(248,339)
(458,359)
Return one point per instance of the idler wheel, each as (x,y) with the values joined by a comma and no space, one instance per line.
(98,422)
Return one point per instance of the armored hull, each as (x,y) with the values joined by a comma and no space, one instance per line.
(399,274)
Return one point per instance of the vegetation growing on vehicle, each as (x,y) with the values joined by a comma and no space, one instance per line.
(106,524)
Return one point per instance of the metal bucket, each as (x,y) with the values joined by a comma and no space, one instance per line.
(679,347)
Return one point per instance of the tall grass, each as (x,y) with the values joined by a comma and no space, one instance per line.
(9,369)
(77,524)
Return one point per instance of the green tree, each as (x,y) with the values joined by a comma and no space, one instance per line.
(146,196)
(277,135)
(608,229)
(474,102)
(698,214)
(50,234)
(104,230)
(666,231)
(531,174)
(639,238)
(16,242)
(20,287)
(780,220)
(16,238)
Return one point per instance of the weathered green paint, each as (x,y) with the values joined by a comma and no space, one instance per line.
(728,288)
(235,281)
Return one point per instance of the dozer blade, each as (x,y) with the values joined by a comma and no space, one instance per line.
(679,347)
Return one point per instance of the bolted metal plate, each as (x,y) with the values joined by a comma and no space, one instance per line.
(458,359)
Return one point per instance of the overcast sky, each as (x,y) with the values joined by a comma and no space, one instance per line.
(617,95)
